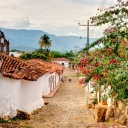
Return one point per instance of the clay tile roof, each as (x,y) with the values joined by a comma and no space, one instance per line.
(60,59)
(18,69)
(47,66)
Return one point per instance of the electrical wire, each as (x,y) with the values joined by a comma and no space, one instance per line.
(102,6)
(90,8)
(105,5)
(94,28)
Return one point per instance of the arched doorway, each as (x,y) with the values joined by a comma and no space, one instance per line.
(62,63)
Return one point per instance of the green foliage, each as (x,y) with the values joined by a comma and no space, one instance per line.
(116,16)
(104,97)
(108,66)
(43,51)
(27,56)
(56,54)
(45,41)
(15,50)
(69,54)
(119,82)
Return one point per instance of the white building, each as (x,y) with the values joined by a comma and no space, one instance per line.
(22,85)
(15,54)
(62,61)
(52,76)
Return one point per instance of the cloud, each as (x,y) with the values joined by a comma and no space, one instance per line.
(72,34)
(16,23)
(59,17)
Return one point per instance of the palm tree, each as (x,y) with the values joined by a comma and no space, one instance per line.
(45,41)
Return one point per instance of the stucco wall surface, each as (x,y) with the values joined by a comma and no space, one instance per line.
(49,82)
(66,63)
(30,95)
(19,94)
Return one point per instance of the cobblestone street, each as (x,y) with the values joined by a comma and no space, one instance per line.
(65,110)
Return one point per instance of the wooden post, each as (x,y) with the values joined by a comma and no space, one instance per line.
(86,93)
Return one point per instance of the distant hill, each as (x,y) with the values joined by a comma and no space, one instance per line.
(27,40)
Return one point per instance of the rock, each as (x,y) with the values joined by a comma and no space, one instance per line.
(46,103)
(120,105)
(109,113)
(123,120)
(22,115)
(100,111)
(126,111)
(118,112)
(89,106)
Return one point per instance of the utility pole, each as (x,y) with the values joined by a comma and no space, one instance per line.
(86,53)
(75,47)
(88,25)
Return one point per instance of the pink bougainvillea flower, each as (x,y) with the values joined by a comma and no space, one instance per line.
(125,43)
(85,71)
(98,41)
(98,77)
(100,55)
(113,61)
(109,49)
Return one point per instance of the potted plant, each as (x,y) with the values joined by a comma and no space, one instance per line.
(104,99)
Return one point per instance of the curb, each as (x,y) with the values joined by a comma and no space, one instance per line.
(53,92)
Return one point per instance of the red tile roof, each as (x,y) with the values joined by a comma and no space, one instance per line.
(47,66)
(29,70)
(60,59)
(19,69)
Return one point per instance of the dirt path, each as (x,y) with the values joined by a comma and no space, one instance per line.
(65,110)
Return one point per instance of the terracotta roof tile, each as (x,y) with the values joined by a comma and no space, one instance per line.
(60,59)
(47,66)
(19,69)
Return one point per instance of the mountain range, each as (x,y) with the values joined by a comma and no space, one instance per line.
(27,40)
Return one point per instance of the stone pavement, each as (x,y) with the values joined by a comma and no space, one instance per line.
(65,110)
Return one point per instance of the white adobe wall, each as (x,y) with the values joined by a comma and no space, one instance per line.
(50,86)
(57,79)
(66,63)
(46,83)
(16,54)
(30,95)
(91,89)
(9,96)
(19,94)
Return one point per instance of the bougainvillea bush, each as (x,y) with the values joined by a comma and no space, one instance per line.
(108,65)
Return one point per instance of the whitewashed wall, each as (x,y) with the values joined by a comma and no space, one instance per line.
(57,79)
(16,54)
(91,89)
(66,63)
(45,84)
(19,94)
(9,96)
(30,95)
(49,82)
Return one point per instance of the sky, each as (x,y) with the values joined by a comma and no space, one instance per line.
(59,17)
